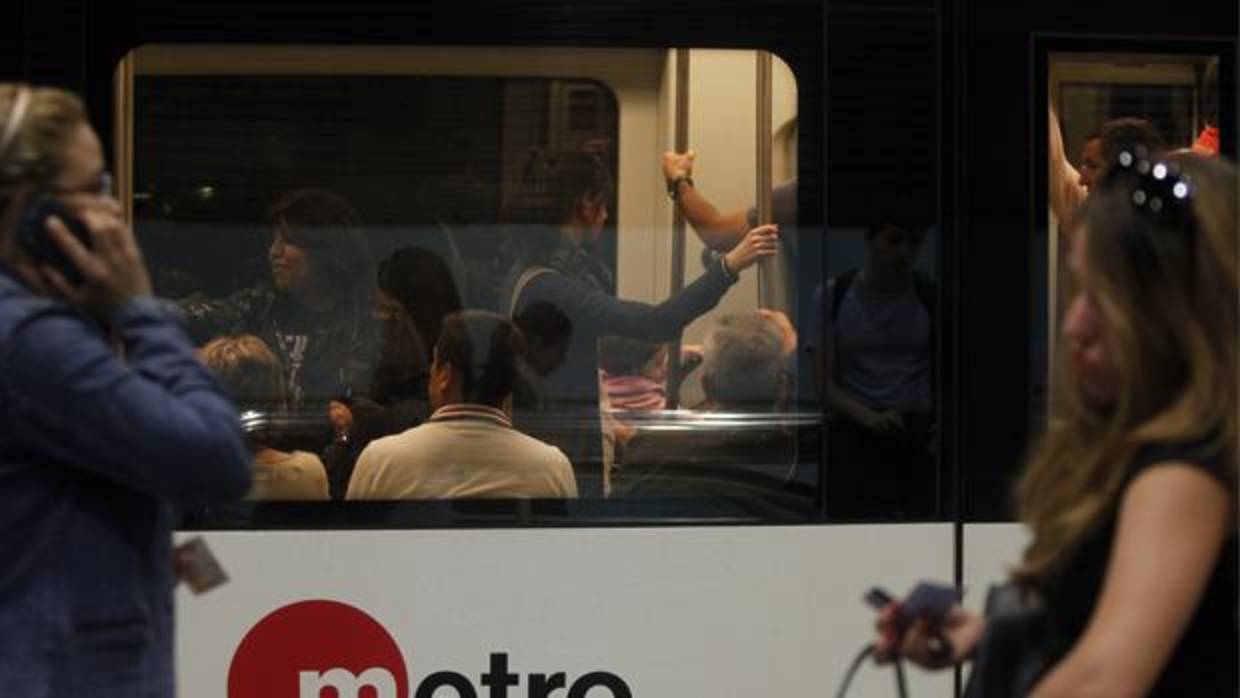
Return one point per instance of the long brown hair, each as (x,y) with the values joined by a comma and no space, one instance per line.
(1166,289)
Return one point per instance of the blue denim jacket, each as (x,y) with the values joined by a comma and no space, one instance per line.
(94,450)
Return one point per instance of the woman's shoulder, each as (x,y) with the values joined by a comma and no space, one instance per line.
(305,460)
(1205,452)
(17,306)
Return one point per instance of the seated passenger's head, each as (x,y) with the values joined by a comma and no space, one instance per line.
(744,364)
(46,147)
(1154,318)
(252,375)
(421,285)
(319,253)
(475,359)
(248,369)
(415,291)
(565,190)
(547,331)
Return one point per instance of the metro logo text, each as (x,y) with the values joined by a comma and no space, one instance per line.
(328,649)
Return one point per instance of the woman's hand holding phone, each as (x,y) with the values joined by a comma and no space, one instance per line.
(927,628)
(112,269)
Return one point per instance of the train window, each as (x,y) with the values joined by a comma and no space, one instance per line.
(1101,102)
(1101,96)
(362,239)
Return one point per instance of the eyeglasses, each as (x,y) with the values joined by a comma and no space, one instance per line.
(100,187)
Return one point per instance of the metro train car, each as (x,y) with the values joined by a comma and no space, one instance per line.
(712,546)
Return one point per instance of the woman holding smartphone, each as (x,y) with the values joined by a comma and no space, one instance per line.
(1131,494)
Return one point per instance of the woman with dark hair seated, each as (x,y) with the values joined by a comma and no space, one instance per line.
(315,312)
(415,291)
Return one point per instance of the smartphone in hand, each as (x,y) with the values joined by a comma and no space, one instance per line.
(36,241)
(878,598)
(927,600)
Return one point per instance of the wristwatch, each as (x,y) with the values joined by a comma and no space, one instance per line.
(673,187)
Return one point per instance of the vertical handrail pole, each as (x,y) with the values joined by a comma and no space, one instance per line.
(769,295)
(680,144)
(774,273)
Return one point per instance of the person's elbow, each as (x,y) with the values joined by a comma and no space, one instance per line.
(1088,673)
(213,465)
(230,472)
(232,479)
(722,233)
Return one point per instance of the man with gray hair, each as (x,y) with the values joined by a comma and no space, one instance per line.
(744,366)
(736,452)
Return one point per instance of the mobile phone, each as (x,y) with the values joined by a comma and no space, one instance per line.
(878,598)
(930,601)
(927,600)
(34,238)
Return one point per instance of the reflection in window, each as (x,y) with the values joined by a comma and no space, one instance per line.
(879,315)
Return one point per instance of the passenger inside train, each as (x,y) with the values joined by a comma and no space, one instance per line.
(876,369)
(314,310)
(735,446)
(469,446)
(415,292)
(555,226)
(254,377)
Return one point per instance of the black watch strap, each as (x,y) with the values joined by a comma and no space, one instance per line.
(673,187)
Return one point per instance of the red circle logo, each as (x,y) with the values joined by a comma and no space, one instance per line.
(304,649)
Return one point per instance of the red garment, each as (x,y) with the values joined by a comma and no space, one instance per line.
(1207,141)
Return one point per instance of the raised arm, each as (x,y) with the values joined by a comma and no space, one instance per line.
(720,231)
(1066,192)
(1173,521)
(656,323)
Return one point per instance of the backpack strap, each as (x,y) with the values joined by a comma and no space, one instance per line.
(923,286)
(522,281)
(927,291)
(839,289)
